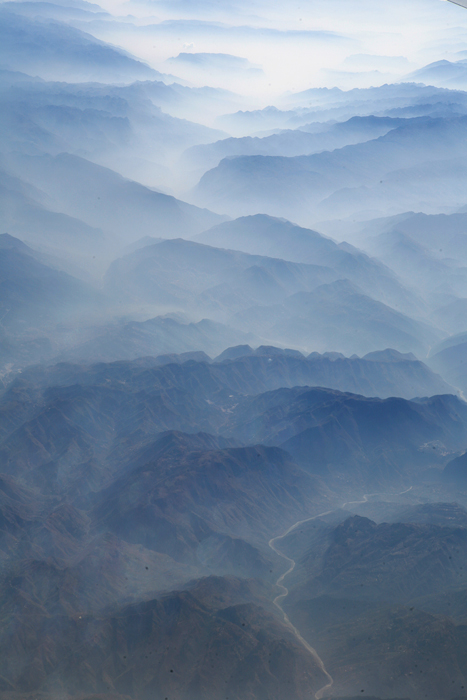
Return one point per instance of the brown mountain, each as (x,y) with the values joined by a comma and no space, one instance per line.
(373,600)
(186,644)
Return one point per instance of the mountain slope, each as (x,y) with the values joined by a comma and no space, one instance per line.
(353,439)
(265,235)
(106,200)
(69,427)
(338,316)
(359,590)
(209,280)
(54,50)
(324,137)
(449,359)
(386,175)
(33,293)
(282,302)
(143,651)
(156,336)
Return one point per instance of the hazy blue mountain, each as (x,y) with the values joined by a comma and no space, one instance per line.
(41,304)
(449,359)
(420,542)
(282,302)
(325,137)
(186,101)
(438,233)
(65,11)
(57,51)
(452,316)
(440,514)
(194,277)
(146,652)
(245,122)
(242,369)
(340,316)
(439,186)
(157,336)
(215,61)
(24,214)
(104,199)
(107,437)
(139,510)
(437,276)
(428,251)
(221,446)
(386,175)
(329,432)
(383,374)
(456,471)
(83,425)
(442,74)
(33,294)
(385,95)
(122,126)
(69,564)
(105,503)
(265,235)
(297,110)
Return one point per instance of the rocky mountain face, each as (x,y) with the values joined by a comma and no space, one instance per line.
(330,433)
(137,502)
(106,524)
(133,492)
(192,643)
(393,629)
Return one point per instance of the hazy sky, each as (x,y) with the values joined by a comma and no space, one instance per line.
(299,44)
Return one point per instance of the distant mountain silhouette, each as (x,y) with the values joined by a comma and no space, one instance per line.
(104,199)
(265,235)
(449,358)
(442,73)
(290,142)
(340,316)
(32,293)
(157,336)
(56,50)
(280,301)
(386,175)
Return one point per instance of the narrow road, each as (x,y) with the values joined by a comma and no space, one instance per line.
(285,591)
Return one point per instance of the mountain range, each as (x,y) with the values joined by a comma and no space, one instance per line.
(233,440)
(106,504)
(348,180)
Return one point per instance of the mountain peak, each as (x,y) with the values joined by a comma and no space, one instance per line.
(8,242)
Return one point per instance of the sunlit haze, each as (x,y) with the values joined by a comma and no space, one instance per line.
(298,45)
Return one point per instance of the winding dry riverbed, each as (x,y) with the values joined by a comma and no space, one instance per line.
(285,591)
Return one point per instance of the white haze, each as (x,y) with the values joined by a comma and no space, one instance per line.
(298,45)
